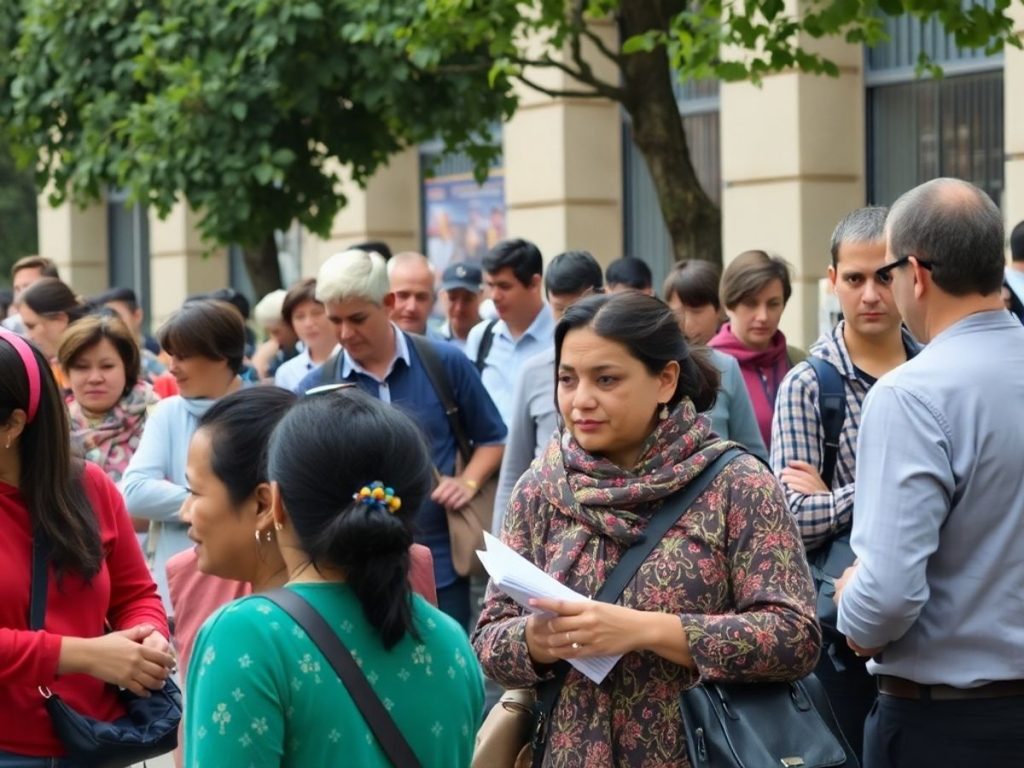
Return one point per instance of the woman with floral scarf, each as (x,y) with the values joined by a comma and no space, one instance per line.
(725,596)
(109,399)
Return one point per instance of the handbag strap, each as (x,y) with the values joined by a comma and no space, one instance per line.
(369,704)
(40,580)
(660,523)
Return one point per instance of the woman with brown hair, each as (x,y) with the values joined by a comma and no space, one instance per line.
(48,307)
(206,343)
(755,290)
(109,400)
(103,625)
(724,596)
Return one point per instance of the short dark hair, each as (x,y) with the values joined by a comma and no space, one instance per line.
(1017,242)
(207,328)
(125,296)
(749,273)
(694,282)
(521,256)
(6,299)
(862,225)
(324,450)
(229,295)
(298,294)
(629,271)
(45,266)
(571,273)
(650,331)
(90,331)
(374,246)
(50,296)
(240,426)
(958,228)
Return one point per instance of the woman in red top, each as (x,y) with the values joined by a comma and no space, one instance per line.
(97,573)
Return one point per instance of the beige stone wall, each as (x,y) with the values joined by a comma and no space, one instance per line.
(387,209)
(76,240)
(181,263)
(1013,105)
(793,162)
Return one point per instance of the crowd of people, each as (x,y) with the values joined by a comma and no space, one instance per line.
(176,483)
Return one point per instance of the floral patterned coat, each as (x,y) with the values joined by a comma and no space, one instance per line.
(733,570)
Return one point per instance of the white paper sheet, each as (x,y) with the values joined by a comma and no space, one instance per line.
(521,580)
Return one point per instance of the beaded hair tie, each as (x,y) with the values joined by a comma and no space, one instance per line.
(379,496)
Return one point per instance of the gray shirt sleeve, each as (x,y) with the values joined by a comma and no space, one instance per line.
(742,421)
(519,448)
(903,497)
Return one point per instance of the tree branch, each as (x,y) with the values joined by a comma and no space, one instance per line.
(601,88)
(555,93)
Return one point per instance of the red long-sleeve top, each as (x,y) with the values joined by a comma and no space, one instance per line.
(122,593)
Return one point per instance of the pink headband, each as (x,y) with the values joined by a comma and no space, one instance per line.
(28,359)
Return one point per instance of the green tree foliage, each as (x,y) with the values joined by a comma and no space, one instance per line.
(17,214)
(248,109)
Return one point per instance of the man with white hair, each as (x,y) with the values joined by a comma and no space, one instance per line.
(281,343)
(384,361)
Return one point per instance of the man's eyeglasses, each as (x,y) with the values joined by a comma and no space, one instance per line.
(884,274)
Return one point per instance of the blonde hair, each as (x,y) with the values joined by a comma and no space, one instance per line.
(353,274)
(269,309)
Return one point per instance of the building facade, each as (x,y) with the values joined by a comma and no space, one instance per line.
(785,161)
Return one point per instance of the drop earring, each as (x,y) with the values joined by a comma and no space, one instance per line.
(663,413)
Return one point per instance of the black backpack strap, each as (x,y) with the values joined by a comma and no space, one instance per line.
(434,369)
(625,570)
(486,341)
(832,409)
(340,658)
(40,580)
(329,371)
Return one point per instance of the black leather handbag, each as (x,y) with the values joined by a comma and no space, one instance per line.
(763,725)
(149,726)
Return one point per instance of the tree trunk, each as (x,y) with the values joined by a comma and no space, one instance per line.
(261,262)
(693,220)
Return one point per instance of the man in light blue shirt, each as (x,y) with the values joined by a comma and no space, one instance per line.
(938,523)
(512,271)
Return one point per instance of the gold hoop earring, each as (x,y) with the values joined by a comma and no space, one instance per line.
(266,536)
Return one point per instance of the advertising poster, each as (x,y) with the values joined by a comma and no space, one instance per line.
(463,219)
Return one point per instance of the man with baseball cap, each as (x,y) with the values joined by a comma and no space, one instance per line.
(462,285)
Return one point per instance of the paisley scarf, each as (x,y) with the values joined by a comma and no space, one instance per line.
(605,501)
(111,441)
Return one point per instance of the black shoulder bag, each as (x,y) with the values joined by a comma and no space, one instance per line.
(150,725)
(829,560)
(661,522)
(340,658)
(757,725)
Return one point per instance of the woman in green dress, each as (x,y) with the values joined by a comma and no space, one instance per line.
(260,693)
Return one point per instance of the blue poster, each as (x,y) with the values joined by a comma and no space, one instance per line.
(464,219)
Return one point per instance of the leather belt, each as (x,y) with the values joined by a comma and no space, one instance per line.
(908,689)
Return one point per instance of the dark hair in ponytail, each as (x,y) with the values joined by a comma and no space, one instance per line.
(647,328)
(240,426)
(324,450)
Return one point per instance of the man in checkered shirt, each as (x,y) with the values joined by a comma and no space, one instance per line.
(866,344)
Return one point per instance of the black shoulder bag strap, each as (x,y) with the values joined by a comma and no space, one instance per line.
(329,370)
(369,704)
(40,580)
(439,380)
(485,346)
(832,408)
(674,508)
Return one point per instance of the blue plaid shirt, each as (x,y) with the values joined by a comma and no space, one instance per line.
(798,435)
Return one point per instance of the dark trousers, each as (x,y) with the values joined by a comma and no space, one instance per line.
(454,600)
(851,691)
(966,733)
(12,760)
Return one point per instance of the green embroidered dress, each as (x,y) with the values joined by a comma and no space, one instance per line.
(260,693)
